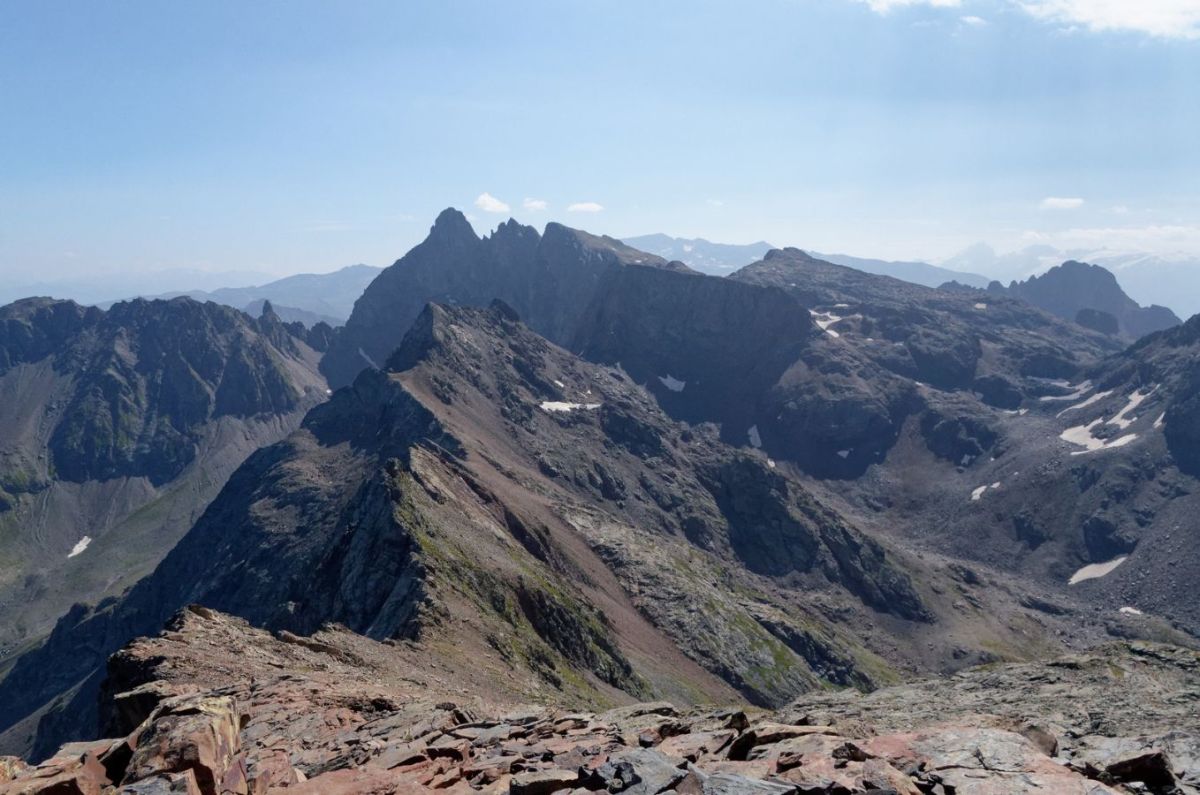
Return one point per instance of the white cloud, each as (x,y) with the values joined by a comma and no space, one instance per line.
(1061,203)
(490,204)
(884,6)
(534,205)
(1155,238)
(1119,209)
(973,21)
(715,203)
(1165,18)
(1179,19)
(584,207)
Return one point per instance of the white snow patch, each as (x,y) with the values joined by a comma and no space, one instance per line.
(560,384)
(555,405)
(981,306)
(1079,392)
(1085,435)
(1131,611)
(978,492)
(844,453)
(841,306)
(673,384)
(328,391)
(80,546)
(755,437)
(367,358)
(1095,571)
(1158,423)
(1135,400)
(771,463)
(1096,398)
(826,319)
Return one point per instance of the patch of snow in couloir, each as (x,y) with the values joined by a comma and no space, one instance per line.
(1079,392)
(556,405)
(80,546)
(1094,571)
(672,383)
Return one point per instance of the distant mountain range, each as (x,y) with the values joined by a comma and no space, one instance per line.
(910,271)
(717,259)
(106,288)
(306,297)
(1168,280)
(722,259)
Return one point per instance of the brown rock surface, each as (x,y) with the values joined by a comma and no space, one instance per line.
(336,716)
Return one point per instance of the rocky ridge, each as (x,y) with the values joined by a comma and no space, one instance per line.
(333,713)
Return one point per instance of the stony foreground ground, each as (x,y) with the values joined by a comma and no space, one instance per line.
(214,706)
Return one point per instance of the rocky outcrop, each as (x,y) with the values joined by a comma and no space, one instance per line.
(331,714)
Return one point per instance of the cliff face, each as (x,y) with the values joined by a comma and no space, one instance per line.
(116,428)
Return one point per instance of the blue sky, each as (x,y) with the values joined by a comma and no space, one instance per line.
(292,136)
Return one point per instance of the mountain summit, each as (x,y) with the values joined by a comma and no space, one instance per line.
(1074,287)
(548,278)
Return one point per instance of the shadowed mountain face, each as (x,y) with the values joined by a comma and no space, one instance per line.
(116,428)
(549,279)
(493,498)
(1073,288)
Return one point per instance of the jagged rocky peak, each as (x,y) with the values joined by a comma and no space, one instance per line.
(1077,287)
(451,228)
(550,279)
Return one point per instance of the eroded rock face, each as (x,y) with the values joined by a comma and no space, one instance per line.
(338,713)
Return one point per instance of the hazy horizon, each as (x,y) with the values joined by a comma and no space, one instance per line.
(280,138)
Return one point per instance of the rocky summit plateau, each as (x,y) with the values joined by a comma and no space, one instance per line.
(550,514)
